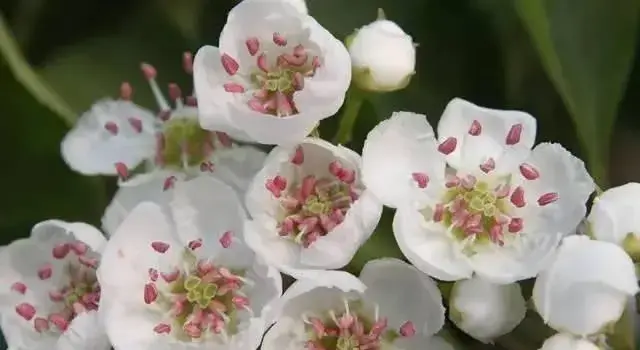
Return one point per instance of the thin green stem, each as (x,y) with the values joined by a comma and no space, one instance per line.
(354,101)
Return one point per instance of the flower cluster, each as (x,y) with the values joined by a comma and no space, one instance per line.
(203,225)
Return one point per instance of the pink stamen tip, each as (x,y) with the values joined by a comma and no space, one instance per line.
(192,101)
(126,91)
(153,274)
(502,190)
(280,182)
(407,329)
(257,106)
(169,183)
(111,127)
(318,327)
(448,146)
(60,250)
(229,64)
(421,179)
(240,302)
(517,197)
(548,198)
(26,311)
(162,328)
(149,71)
(207,166)
(475,128)
(164,115)
(529,172)
(224,139)
(513,137)
(298,81)
(59,321)
(160,247)
(40,324)
(136,124)
(195,244)
(438,212)
(171,276)
(233,88)
(175,92)
(347,176)
(452,181)
(515,225)
(122,170)
(279,39)
(253,45)
(468,182)
(79,248)
(150,293)
(346,321)
(335,168)
(88,262)
(298,156)
(226,239)
(284,104)
(495,234)
(261,62)
(488,166)
(308,186)
(45,271)
(187,62)
(19,287)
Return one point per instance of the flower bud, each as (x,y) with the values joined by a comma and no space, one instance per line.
(383,56)
(562,341)
(485,310)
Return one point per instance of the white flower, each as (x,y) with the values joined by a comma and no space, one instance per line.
(486,310)
(116,136)
(180,277)
(276,74)
(615,217)
(50,296)
(309,207)
(300,5)
(383,56)
(586,287)
(563,341)
(392,306)
(477,199)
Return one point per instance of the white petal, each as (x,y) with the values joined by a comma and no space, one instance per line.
(129,330)
(486,310)
(428,248)
(420,342)
(91,149)
(616,213)
(20,335)
(78,230)
(585,287)
(562,341)
(560,173)
(403,293)
(281,253)
(238,166)
(86,331)
(491,142)
(396,149)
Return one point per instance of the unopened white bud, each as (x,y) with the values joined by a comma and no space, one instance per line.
(485,310)
(562,341)
(383,56)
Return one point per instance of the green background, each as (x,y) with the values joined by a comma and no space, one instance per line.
(572,64)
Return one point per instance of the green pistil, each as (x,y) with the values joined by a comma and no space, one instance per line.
(280,80)
(198,292)
(187,132)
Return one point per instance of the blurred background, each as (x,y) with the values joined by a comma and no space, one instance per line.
(571,64)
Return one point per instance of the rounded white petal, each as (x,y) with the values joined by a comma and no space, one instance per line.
(428,248)
(403,294)
(562,341)
(85,332)
(585,287)
(90,148)
(237,167)
(46,230)
(482,133)
(616,213)
(396,149)
(383,56)
(486,310)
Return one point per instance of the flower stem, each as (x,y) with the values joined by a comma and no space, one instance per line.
(354,100)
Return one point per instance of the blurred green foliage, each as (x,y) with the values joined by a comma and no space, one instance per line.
(572,64)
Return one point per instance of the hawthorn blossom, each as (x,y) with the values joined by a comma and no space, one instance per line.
(383,56)
(586,287)
(180,277)
(275,75)
(563,341)
(486,310)
(391,306)
(116,136)
(309,207)
(615,218)
(477,198)
(50,296)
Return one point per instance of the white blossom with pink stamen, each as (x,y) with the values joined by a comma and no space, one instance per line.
(477,198)
(50,295)
(391,306)
(309,207)
(180,277)
(274,76)
(118,137)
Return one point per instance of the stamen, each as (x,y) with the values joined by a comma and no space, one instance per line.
(529,172)
(475,128)
(513,137)
(229,64)
(136,124)
(253,45)
(126,91)
(150,74)
(111,127)
(448,146)
(421,179)
(279,39)
(226,239)
(160,247)
(187,62)
(19,287)
(548,198)
(26,311)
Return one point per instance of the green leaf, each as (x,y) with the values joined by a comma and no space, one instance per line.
(28,77)
(587,50)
